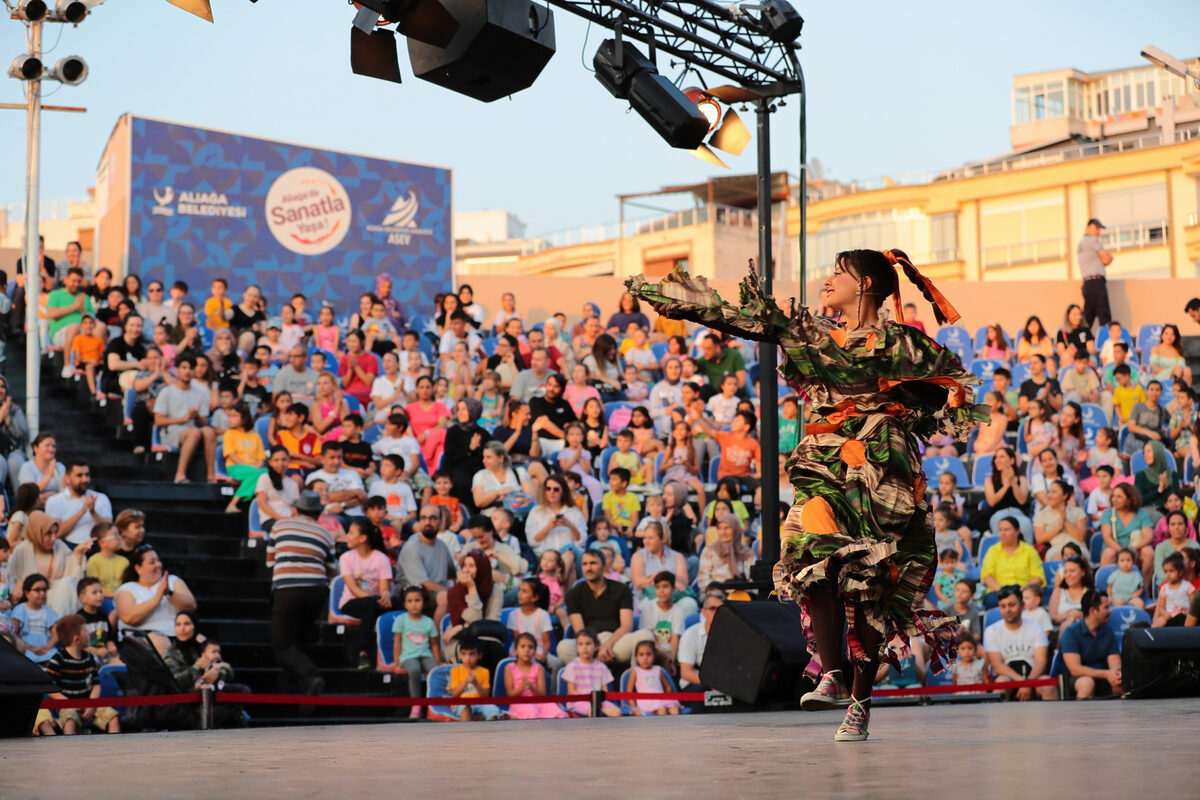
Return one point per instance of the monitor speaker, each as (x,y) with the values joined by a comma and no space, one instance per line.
(1161,662)
(756,653)
(22,685)
(500,48)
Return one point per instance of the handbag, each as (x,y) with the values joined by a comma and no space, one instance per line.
(518,503)
(486,629)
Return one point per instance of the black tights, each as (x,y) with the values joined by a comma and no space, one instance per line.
(828,621)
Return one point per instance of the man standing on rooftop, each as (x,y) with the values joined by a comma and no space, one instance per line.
(1093,259)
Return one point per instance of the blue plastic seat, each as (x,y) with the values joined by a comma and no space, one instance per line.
(127,405)
(605,455)
(108,679)
(254,526)
(1022,445)
(953,336)
(498,687)
(1096,547)
(985,367)
(714,468)
(985,543)
(372,434)
(1124,618)
(659,349)
(1147,337)
(385,656)
(1102,576)
(489,346)
(353,403)
(615,405)
(934,466)
(1056,665)
(437,685)
(1020,373)
(625,682)
(981,470)
(262,427)
(692,619)
(991,616)
(1050,569)
(1093,414)
(335,593)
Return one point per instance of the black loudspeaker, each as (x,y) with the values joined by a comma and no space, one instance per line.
(756,653)
(500,48)
(22,684)
(1161,662)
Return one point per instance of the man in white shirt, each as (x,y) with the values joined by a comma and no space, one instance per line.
(1018,649)
(508,310)
(296,377)
(531,383)
(181,411)
(458,333)
(77,508)
(346,490)
(692,644)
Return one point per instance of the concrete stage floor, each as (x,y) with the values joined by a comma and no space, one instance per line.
(1091,749)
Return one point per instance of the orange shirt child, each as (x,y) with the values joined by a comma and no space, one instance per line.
(87,349)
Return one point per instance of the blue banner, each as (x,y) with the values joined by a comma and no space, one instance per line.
(206,204)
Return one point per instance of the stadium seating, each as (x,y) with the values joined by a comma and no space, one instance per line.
(335,593)
(934,466)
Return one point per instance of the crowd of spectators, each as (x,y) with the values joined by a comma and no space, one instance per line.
(593,482)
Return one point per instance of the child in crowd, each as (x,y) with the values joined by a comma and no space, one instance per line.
(663,618)
(300,440)
(575,458)
(326,336)
(579,391)
(273,341)
(637,353)
(656,513)
(490,400)
(645,441)
(396,440)
(78,677)
(948,574)
(318,361)
(226,399)
(965,607)
(299,306)
(723,406)
(367,574)
(356,454)
(399,503)
(108,565)
(1126,394)
(946,538)
(250,387)
(552,572)
(729,491)
(531,618)
(291,332)
(468,679)
(413,362)
(650,678)
(101,632)
(33,621)
(614,563)
(583,500)
(1031,607)
(946,493)
(279,404)
(1100,498)
(967,669)
(585,675)
(443,484)
(527,678)
(636,389)
(328,520)
(1175,594)
(626,458)
(88,349)
(375,510)
(1126,584)
(415,643)
(244,457)
(218,308)
(1104,453)
(621,507)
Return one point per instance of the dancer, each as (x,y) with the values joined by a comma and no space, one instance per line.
(858,548)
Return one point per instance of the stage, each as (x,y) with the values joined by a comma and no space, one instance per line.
(1080,749)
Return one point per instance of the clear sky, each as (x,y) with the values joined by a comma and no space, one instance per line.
(895,88)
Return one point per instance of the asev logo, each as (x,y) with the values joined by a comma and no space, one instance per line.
(400,222)
(162,202)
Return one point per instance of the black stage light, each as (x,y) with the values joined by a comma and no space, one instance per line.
(783,22)
(427,21)
(374,54)
(627,74)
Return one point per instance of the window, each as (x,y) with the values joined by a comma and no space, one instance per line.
(905,228)
(1021,105)
(944,237)
(1054,101)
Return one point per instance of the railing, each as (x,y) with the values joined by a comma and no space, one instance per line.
(50,209)
(815,270)
(1134,235)
(1008,255)
(720,214)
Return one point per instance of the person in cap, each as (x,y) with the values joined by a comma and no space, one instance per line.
(1093,259)
(300,555)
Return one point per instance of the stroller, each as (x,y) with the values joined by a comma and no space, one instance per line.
(148,675)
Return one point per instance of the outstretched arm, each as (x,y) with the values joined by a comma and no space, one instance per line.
(681,296)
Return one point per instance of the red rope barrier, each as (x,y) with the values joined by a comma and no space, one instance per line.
(910,691)
(124,702)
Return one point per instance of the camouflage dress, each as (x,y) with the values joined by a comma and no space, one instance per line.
(860,515)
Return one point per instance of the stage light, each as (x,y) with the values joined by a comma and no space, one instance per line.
(71,70)
(374,54)
(201,8)
(783,22)
(72,11)
(25,68)
(708,105)
(627,74)
(426,21)
(31,10)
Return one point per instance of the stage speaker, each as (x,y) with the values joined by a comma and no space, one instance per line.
(756,654)
(500,48)
(22,684)
(1161,662)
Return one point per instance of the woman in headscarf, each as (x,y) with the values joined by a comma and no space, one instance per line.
(391,306)
(463,454)
(187,640)
(44,553)
(1157,480)
(728,558)
(470,599)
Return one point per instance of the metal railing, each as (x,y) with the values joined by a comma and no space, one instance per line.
(591,234)
(1137,234)
(49,209)
(1007,255)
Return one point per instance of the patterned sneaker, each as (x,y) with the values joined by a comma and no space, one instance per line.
(854,727)
(830,693)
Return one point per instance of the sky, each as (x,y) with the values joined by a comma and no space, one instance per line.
(894,89)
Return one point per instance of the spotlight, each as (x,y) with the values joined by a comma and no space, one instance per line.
(25,68)
(32,10)
(72,11)
(201,8)
(707,104)
(71,70)
(627,74)
(782,21)
(426,21)
(374,54)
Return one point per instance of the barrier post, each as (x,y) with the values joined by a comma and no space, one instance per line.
(206,708)
(597,702)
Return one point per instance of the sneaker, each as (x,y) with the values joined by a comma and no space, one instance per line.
(364,661)
(854,726)
(830,693)
(68,371)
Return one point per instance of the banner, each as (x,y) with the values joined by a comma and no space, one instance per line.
(206,204)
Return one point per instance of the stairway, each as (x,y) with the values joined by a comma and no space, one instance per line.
(202,544)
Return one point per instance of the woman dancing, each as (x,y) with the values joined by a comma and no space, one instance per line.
(858,547)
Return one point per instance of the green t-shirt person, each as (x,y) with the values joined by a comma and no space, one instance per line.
(61,298)
(729,363)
